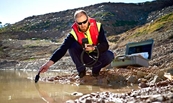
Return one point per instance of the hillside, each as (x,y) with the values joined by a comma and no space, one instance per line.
(116,18)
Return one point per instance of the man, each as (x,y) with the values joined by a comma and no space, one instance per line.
(84,27)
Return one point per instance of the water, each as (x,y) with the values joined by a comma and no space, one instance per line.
(15,87)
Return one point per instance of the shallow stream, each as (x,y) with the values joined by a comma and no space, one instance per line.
(18,86)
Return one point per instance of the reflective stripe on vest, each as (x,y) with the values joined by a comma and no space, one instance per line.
(92,32)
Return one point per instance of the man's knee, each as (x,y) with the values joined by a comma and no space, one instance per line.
(109,56)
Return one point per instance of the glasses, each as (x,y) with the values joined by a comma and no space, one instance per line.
(80,23)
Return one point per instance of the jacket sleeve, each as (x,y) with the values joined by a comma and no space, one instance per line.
(60,52)
(102,41)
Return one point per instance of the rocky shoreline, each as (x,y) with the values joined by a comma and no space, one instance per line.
(154,94)
(154,85)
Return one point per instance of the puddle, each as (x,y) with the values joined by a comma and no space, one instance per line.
(15,87)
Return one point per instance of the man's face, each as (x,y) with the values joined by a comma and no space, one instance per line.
(82,23)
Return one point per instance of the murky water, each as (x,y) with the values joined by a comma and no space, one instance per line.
(15,87)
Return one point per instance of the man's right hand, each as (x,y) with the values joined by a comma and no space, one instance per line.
(89,47)
(46,66)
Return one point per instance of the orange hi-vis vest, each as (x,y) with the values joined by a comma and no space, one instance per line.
(91,34)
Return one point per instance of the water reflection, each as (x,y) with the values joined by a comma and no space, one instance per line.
(15,87)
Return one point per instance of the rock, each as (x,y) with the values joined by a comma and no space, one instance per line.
(70,101)
(150,75)
(132,79)
(140,74)
(116,79)
(77,94)
(155,79)
(142,80)
(170,70)
(143,85)
(160,73)
(153,98)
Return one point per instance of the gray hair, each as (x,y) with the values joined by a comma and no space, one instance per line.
(78,13)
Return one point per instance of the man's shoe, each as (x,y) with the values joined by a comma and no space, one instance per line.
(82,74)
(95,74)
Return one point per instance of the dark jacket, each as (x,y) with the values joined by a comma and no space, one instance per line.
(60,52)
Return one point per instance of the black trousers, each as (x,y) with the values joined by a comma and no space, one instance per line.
(104,59)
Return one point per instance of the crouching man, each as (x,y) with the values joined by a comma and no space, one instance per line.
(89,28)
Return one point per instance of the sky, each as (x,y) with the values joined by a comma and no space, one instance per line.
(12,11)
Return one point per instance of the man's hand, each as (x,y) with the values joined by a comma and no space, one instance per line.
(46,66)
(89,47)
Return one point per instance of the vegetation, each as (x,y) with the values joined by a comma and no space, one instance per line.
(0,24)
(102,14)
(154,26)
(124,23)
